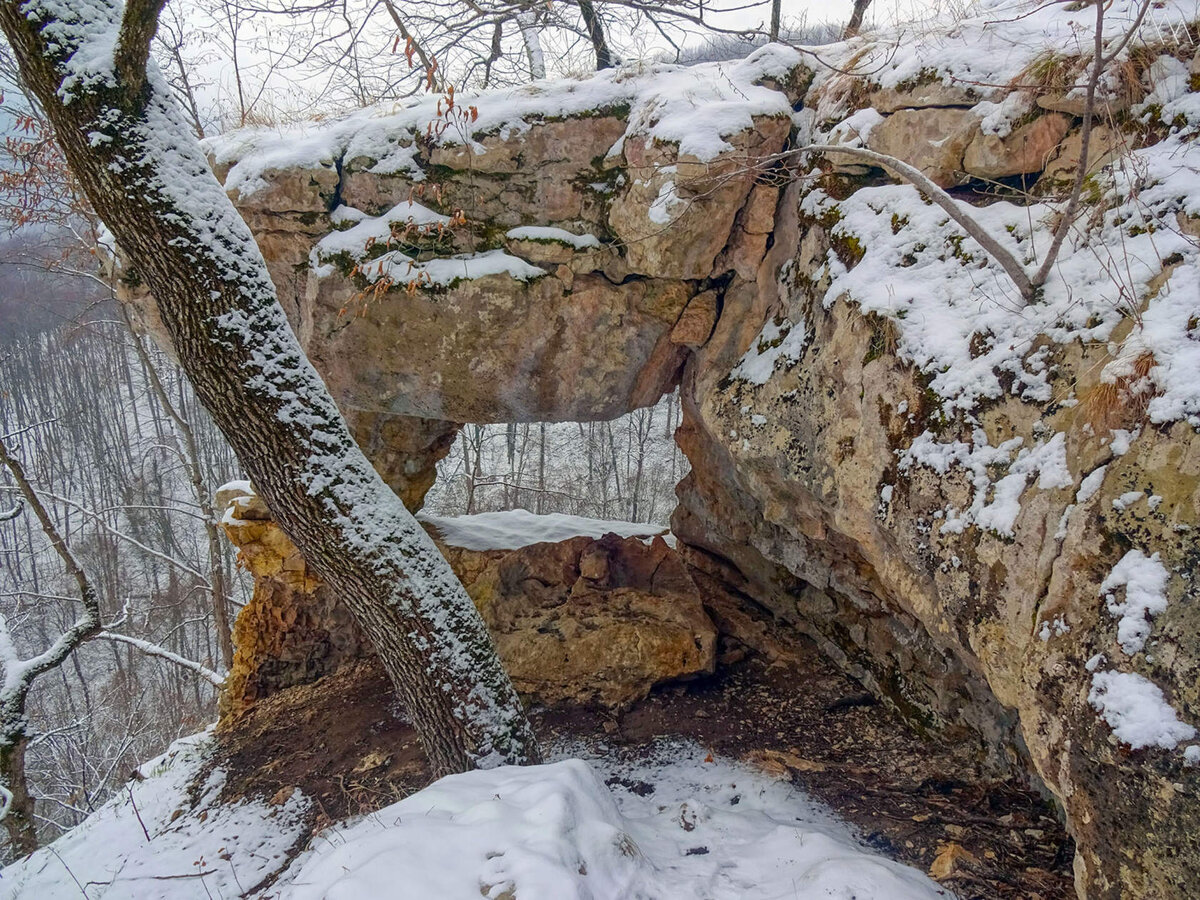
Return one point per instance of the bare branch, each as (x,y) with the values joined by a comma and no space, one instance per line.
(407,35)
(1100,62)
(1011,265)
(91,617)
(117,533)
(163,653)
(1085,138)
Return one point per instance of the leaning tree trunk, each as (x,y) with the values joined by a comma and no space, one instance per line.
(146,176)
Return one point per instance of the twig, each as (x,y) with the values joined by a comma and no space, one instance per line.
(82,890)
(162,653)
(137,813)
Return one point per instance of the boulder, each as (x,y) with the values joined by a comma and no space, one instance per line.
(1073,102)
(1102,148)
(931,92)
(591,621)
(697,321)
(932,140)
(1023,152)
(582,621)
(675,213)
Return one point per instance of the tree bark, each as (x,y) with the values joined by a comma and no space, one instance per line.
(595,30)
(18,821)
(147,178)
(854,26)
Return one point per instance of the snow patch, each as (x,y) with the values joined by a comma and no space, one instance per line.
(1127,500)
(995,504)
(548,235)
(780,341)
(516,528)
(1144,579)
(1136,710)
(1090,484)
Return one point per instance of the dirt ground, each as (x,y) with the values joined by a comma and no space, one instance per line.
(343,741)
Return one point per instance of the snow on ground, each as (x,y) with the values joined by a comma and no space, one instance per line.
(687,829)
(516,528)
(676,825)
(153,843)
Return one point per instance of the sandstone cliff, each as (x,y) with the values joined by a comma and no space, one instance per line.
(984,510)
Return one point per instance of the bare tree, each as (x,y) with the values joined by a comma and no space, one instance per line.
(16,804)
(856,18)
(385,49)
(189,453)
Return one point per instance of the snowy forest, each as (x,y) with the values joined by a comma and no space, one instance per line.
(607,449)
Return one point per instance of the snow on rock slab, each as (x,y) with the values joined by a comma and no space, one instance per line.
(554,832)
(153,842)
(1136,710)
(516,528)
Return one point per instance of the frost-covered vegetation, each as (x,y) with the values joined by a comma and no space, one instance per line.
(103,450)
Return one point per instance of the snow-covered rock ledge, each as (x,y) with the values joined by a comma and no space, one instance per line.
(940,483)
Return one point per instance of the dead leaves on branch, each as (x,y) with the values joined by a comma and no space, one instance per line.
(409,237)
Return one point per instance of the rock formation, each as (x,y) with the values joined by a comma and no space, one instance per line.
(585,620)
(984,512)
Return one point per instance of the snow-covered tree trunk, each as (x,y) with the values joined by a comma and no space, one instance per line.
(527,22)
(146,176)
